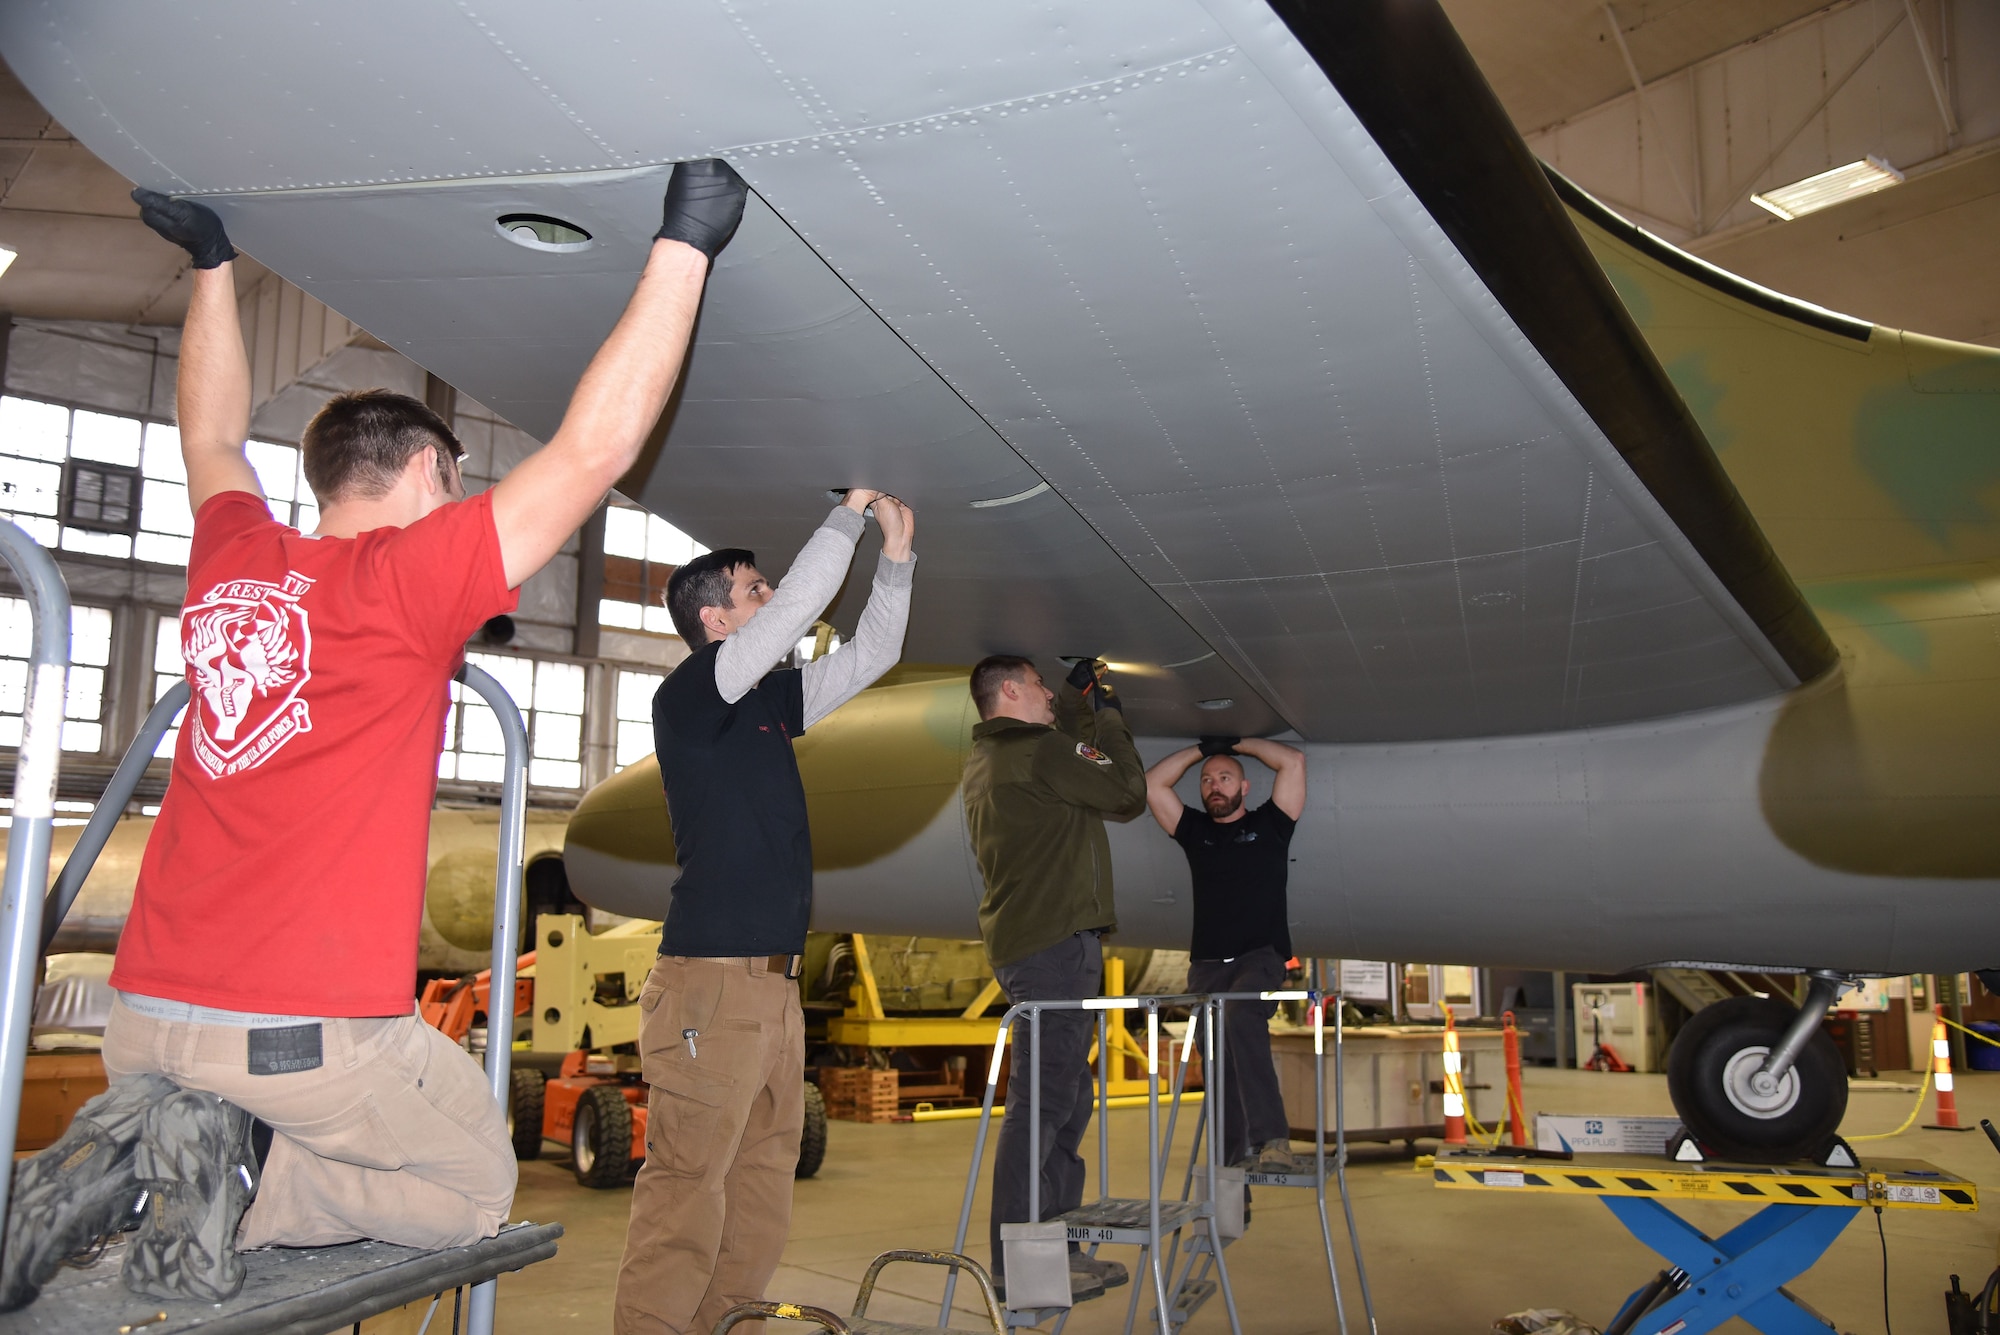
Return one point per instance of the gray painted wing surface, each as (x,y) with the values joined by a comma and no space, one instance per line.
(1138,251)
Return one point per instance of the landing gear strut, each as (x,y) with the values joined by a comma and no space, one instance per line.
(1754,1079)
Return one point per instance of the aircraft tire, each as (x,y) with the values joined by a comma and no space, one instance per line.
(600,1140)
(1707,1076)
(812,1139)
(524,1112)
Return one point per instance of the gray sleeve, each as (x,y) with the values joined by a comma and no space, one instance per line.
(778,625)
(832,681)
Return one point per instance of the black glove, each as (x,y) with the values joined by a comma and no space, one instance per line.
(1088,676)
(704,204)
(191,226)
(1219,746)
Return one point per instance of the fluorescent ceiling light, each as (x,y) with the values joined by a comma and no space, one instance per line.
(7,257)
(1829,188)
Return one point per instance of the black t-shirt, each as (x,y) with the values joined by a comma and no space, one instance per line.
(1239,881)
(739,812)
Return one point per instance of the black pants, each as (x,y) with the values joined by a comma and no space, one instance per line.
(1253,1109)
(1067,971)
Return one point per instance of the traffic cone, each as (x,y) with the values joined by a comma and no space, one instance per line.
(1510,1044)
(1454,1085)
(1947,1102)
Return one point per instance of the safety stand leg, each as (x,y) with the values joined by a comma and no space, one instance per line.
(1739,1274)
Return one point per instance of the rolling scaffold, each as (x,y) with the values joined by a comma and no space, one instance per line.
(1181,1278)
(300,1291)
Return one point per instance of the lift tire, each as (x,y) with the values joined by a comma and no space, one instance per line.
(812,1138)
(600,1140)
(524,1112)
(1707,1070)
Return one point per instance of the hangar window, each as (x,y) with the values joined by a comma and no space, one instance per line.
(111,461)
(550,694)
(635,715)
(90,655)
(281,472)
(640,552)
(168,668)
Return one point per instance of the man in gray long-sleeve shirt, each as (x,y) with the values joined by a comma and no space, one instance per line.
(721,1037)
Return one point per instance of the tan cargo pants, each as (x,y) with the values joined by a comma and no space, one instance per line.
(394,1137)
(713,1202)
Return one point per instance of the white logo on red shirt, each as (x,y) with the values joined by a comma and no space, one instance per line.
(249,653)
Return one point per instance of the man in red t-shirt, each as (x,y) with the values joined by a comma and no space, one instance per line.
(264,1050)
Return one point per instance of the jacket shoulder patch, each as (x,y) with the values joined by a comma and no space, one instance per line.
(1091,753)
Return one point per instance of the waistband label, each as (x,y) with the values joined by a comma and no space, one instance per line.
(279,1051)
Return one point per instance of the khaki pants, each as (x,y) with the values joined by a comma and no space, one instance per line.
(713,1202)
(394,1137)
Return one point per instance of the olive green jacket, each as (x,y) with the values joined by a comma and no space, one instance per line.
(1035,802)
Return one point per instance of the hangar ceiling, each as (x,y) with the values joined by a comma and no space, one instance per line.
(1918,258)
(1556,59)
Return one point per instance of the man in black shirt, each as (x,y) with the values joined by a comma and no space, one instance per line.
(1242,936)
(721,1037)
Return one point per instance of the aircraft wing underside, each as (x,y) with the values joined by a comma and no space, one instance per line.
(1140,303)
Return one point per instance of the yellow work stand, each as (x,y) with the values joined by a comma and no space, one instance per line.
(868,1024)
(1741,1273)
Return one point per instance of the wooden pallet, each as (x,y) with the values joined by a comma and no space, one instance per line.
(859,1093)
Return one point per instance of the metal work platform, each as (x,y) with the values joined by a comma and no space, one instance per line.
(1313,1181)
(1149,1222)
(1325,1166)
(1802,1209)
(1181,1242)
(297,1291)
(304,1292)
(1127,1221)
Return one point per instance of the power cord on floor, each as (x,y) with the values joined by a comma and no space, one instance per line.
(1887,1329)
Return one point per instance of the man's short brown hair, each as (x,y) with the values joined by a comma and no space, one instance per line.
(989,673)
(359,443)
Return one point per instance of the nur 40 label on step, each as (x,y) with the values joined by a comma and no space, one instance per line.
(1083,1233)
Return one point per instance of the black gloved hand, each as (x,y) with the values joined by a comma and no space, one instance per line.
(1218,746)
(191,226)
(1090,677)
(704,204)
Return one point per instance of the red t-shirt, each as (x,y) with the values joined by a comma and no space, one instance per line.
(286,871)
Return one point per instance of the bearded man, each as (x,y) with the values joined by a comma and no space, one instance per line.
(1242,936)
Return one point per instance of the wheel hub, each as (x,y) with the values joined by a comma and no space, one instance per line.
(586,1150)
(1755,1094)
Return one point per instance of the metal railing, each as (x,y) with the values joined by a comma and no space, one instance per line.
(33,824)
(30,923)
(1215,1079)
(507,891)
(1208,1018)
(104,817)
(1159,1141)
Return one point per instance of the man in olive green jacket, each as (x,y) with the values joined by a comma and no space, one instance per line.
(1037,789)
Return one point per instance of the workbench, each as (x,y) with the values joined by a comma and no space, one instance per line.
(1741,1273)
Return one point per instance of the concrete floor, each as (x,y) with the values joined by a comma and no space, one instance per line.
(1439,1261)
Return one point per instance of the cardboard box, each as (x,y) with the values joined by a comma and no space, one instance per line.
(1604,1135)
